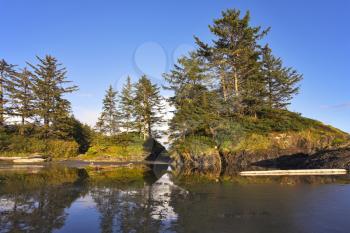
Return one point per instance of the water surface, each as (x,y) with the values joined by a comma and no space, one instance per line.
(140,198)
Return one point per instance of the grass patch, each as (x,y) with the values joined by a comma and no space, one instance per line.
(273,129)
(123,146)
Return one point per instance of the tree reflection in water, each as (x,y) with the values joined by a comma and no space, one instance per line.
(146,199)
(134,199)
(145,208)
(32,203)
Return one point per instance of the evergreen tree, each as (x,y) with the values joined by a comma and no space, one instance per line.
(281,82)
(109,120)
(221,85)
(234,57)
(6,72)
(49,87)
(22,97)
(196,103)
(127,106)
(148,107)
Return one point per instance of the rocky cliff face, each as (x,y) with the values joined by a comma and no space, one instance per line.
(307,148)
(201,161)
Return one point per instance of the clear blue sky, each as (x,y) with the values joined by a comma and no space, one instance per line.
(100,42)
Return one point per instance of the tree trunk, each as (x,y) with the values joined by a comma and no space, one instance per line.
(223,86)
(1,103)
(236,84)
(270,93)
(144,134)
(149,130)
(21,132)
(46,127)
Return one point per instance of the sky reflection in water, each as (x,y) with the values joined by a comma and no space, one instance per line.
(149,199)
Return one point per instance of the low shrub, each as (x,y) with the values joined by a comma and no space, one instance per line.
(196,145)
(20,145)
(121,145)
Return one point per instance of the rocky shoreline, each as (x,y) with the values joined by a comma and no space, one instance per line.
(234,163)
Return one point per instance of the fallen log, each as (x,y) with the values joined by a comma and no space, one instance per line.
(28,160)
(301,172)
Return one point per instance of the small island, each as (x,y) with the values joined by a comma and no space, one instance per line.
(230,100)
(136,117)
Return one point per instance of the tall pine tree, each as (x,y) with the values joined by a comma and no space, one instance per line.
(127,106)
(49,88)
(6,72)
(196,102)
(148,107)
(281,82)
(109,120)
(22,97)
(223,84)
(234,57)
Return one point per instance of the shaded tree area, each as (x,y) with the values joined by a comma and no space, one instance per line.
(35,115)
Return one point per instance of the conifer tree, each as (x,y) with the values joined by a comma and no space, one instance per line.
(109,120)
(22,97)
(224,83)
(6,72)
(281,82)
(127,106)
(49,87)
(194,100)
(148,107)
(234,57)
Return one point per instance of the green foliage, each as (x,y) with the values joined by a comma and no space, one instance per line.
(279,121)
(278,129)
(196,104)
(36,97)
(49,87)
(122,146)
(232,87)
(80,133)
(147,107)
(19,145)
(195,145)
(4,139)
(127,106)
(234,59)
(6,73)
(109,121)
(22,98)
(281,82)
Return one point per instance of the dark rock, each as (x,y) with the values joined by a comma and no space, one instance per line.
(329,159)
(339,158)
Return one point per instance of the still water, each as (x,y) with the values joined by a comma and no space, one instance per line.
(140,198)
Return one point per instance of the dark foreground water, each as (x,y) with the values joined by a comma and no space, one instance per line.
(151,199)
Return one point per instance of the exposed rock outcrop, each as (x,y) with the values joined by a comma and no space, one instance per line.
(305,149)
